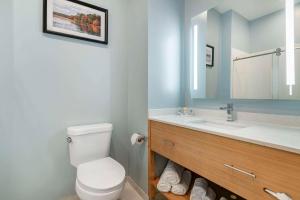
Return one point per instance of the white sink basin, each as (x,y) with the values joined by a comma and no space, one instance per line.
(219,124)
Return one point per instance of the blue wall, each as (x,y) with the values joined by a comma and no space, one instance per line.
(165,58)
(262,39)
(214,38)
(7,97)
(137,88)
(240,32)
(49,83)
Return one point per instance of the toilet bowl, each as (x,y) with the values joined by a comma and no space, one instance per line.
(101,179)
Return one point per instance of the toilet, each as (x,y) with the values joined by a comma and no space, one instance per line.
(99,177)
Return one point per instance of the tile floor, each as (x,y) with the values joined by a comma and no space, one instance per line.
(129,193)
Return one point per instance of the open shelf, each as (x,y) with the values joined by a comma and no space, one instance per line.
(169,195)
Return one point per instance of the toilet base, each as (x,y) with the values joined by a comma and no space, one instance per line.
(87,195)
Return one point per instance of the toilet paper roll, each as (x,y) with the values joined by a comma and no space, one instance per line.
(137,139)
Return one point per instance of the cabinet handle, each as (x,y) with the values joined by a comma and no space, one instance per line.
(277,195)
(169,143)
(239,170)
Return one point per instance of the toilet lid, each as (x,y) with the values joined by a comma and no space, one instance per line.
(103,174)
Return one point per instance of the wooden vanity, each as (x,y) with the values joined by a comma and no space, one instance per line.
(241,167)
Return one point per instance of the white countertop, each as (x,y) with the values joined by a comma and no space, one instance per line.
(279,137)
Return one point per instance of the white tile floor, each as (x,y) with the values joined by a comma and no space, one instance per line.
(129,193)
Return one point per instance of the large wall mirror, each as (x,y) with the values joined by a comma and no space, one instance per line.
(256,41)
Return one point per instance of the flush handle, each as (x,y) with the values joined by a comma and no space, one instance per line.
(240,171)
(69,140)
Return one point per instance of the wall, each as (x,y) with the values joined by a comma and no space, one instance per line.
(265,40)
(214,39)
(165,22)
(240,32)
(137,87)
(224,72)
(120,143)
(6,101)
(50,83)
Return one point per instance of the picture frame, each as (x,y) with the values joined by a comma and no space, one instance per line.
(76,19)
(210,56)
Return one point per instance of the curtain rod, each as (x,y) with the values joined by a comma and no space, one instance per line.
(277,52)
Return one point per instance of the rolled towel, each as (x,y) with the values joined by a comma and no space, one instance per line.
(182,187)
(163,186)
(223,198)
(210,194)
(199,189)
(172,173)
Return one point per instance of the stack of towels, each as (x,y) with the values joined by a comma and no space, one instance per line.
(177,180)
(174,179)
(201,191)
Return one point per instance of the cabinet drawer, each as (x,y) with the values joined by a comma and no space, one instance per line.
(241,167)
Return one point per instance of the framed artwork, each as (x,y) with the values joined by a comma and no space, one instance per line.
(210,56)
(76,19)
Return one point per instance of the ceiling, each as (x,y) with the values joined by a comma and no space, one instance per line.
(251,9)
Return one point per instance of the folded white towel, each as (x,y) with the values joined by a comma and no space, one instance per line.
(210,194)
(163,186)
(172,173)
(182,187)
(223,198)
(199,189)
(170,176)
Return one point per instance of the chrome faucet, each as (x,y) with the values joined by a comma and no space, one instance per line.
(185,111)
(229,108)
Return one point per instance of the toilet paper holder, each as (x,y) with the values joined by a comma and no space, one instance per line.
(142,139)
(138,138)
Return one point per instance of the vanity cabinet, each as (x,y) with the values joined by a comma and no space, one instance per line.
(244,168)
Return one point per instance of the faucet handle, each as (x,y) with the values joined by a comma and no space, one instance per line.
(185,111)
(228,107)
(223,108)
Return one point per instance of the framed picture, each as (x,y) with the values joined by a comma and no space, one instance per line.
(210,56)
(76,19)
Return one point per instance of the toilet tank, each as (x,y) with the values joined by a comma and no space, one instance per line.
(89,142)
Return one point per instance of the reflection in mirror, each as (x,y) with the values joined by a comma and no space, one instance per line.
(248,37)
(260,69)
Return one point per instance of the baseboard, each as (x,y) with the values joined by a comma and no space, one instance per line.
(138,189)
(71,197)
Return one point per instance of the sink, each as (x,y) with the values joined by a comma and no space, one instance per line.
(219,124)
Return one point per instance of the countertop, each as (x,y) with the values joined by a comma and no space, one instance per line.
(269,135)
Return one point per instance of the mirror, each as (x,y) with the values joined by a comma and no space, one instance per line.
(246,47)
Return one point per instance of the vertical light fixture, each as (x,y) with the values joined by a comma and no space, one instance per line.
(195,56)
(290,44)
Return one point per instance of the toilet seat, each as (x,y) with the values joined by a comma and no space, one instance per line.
(101,176)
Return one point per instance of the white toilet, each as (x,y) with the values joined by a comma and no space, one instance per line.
(99,177)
